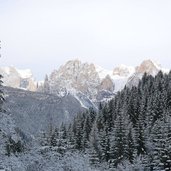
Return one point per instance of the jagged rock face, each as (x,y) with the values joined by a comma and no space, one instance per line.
(147,66)
(107,84)
(75,75)
(87,81)
(15,78)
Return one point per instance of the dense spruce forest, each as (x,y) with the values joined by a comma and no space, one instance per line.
(132,131)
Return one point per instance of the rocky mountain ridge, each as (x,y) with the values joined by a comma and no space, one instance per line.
(94,82)
(87,82)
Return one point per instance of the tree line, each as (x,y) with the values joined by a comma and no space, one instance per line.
(135,124)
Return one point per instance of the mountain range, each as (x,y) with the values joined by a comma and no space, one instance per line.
(88,83)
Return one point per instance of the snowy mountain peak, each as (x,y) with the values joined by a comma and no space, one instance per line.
(8,70)
(76,77)
(94,82)
(75,70)
(123,70)
(85,81)
(18,78)
(72,63)
(23,73)
(149,66)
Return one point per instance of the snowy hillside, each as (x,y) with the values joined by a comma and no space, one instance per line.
(33,112)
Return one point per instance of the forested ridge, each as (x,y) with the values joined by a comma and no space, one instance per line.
(133,130)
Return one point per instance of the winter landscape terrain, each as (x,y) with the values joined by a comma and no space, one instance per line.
(82,117)
(88,83)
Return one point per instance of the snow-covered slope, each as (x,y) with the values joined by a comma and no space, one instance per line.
(17,78)
(27,114)
(8,130)
(33,111)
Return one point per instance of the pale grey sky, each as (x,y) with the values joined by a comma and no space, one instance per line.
(44,34)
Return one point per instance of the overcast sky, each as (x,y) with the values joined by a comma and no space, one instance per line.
(44,34)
